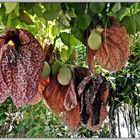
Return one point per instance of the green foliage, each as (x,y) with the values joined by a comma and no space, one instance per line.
(116,7)
(97,7)
(8,116)
(83,21)
(131,23)
(10,7)
(79,8)
(35,121)
(52,10)
(68,39)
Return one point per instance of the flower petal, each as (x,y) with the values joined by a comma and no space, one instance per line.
(22,65)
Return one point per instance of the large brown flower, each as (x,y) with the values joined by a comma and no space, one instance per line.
(38,96)
(54,94)
(113,52)
(21,66)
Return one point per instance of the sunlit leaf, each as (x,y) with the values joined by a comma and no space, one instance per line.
(116,7)
(10,6)
(16,10)
(119,14)
(68,39)
(54,30)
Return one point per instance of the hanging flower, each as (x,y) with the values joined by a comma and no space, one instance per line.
(21,64)
(38,96)
(113,52)
(54,95)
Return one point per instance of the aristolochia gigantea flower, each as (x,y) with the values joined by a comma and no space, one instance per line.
(21,63)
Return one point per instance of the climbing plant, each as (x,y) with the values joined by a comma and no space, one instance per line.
(87,48)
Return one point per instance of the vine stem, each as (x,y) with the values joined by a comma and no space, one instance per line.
(90,60)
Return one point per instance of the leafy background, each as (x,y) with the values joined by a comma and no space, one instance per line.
(65,25)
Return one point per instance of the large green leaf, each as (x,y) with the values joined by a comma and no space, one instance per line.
(68,39)
(32,8)
(97,7)
(79,34)
(116,7)
(37,9)
(131,23)
(10,6)
(16,10)
(83,21)
(52,7)
(79,8)
(52,10)
(26,6)
(50,16)
(119,14)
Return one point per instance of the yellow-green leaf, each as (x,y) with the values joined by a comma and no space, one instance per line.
(116,7)
(10,6)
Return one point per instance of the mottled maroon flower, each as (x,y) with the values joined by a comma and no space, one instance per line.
(20,66)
